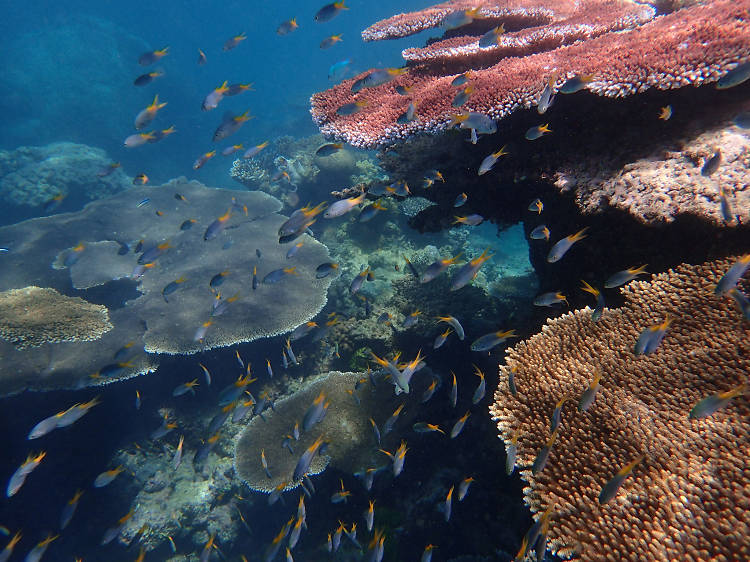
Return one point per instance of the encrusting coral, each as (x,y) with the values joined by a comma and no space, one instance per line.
(663,185)
(688,498)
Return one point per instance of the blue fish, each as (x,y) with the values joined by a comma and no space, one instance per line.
(338,69)
(651,337)
(734,77)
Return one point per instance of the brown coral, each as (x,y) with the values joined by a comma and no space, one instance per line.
(34,316)
(689,498)
(662,186)
(345,427)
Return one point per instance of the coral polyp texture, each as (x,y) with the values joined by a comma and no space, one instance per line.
(688,498)
(622,44)
(345,427)
(531,27)
(664,185)
(33,316)
(32,175)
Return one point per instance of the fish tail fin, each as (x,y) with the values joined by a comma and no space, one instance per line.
(580,235)
(458,118)
(589,289)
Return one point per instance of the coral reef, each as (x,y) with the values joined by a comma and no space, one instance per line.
(33,316)
(690,482)
(694,45)
(306,170)
(501,294)
(160,321)
(368,172)
(345,427)
(32,175)
(662,185)
(250,173)
(184,503)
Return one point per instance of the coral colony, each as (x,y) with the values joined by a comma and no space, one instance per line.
(547,241)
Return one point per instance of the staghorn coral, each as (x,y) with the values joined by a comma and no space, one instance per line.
(346,427)
(694,45)
(33,316)
(688,499)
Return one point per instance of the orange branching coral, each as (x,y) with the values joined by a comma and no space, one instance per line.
(689,498)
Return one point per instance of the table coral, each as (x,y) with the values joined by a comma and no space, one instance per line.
(107,226)
(33,316)
(691,46)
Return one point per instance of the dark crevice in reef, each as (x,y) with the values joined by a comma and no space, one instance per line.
(608,132)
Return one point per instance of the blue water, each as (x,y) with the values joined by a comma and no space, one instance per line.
(67,76)
(69,68)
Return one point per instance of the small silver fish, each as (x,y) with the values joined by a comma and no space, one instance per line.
(734,77)
(562,246)
(589,395)
(459,425)
(490,161)
(541,458)
(463,488)
(445,507)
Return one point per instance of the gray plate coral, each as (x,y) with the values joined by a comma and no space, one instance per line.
(40,247)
